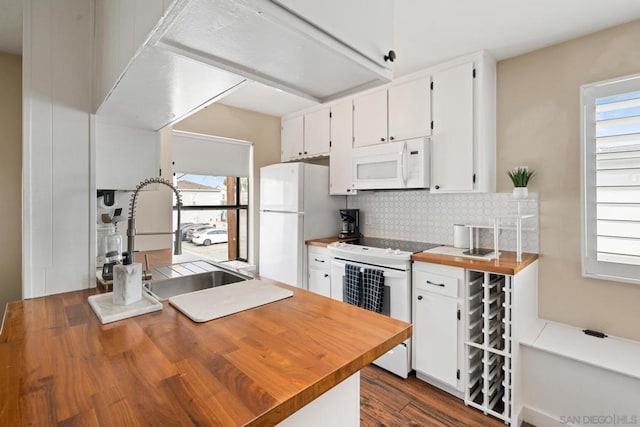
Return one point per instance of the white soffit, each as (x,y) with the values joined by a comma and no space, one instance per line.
(264,99)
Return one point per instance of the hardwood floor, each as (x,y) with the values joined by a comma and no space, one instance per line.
(388,400)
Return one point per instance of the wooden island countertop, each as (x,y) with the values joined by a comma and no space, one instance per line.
(59,365)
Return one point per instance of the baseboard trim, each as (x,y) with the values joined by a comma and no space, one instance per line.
(540,418)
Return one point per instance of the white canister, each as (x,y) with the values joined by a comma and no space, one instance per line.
(127,283)
(460,236)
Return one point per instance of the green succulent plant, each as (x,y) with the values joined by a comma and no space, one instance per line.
(521,175)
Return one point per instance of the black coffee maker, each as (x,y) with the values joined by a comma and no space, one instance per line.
(350,223)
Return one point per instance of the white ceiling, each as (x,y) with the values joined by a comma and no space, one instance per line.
(428,32)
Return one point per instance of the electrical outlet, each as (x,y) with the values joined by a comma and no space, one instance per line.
(367,219)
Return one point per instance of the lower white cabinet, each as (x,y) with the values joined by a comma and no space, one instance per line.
(320,282)
(436,337)
(467,327)
(438,328)
(319,270)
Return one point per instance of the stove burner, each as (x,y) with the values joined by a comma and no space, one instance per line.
(403,245)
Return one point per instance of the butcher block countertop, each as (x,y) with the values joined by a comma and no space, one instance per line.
(59,365)
(507,263)
(326,241)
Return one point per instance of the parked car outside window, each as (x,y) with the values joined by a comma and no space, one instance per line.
(208,237)
(198,229)
(184,228)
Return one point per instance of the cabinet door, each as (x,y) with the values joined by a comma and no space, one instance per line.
(292,138)
(370,119)
(436,336)
(340,176)
(320,282)
(410,109)
(316,132)
(124,155)
(452,135)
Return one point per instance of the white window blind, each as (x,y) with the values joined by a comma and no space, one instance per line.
(207,155)
(611,179)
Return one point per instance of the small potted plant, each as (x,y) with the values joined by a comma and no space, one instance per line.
(520,177)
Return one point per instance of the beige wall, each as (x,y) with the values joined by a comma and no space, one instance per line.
(260,129)
(539,126)
(10,179)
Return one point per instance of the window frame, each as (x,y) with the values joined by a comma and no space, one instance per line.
(591,266)
(236,206)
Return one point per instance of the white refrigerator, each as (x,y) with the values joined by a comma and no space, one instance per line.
(295,206)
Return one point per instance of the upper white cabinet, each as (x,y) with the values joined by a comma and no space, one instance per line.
(410,109)
(370,119)
(340,176)
(125,156)
(402,111)
(317,132)
(292,136)
(454,104)
(463,136)
(306,135)
(452,139)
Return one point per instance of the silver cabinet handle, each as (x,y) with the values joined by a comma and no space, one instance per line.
(429,282)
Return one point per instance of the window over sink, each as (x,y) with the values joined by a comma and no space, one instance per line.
(214,220)
(611,179)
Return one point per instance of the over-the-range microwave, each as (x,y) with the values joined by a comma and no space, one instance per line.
(393,165)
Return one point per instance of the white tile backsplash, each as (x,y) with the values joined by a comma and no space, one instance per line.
(421,216)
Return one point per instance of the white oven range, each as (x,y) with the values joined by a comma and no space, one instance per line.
(393,257)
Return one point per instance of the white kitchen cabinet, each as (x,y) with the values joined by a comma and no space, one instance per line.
(436,336)
(370,119)
(340,176)
(292,138)
(463,138)
(125,156)
(452,139)
(319,270)
(401,112)
(320,282)
(317,133)
(410,109)
(438,328)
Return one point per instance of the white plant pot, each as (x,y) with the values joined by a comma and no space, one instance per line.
(520,192)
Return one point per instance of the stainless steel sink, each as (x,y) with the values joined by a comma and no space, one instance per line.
(166,288)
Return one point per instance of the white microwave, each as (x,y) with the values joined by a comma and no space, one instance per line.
(394,165)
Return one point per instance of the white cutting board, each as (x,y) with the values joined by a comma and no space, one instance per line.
(209,304)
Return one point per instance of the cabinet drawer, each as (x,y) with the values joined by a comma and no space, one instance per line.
(319,258)
(436,283)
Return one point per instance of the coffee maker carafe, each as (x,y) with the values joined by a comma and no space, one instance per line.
(350,223)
